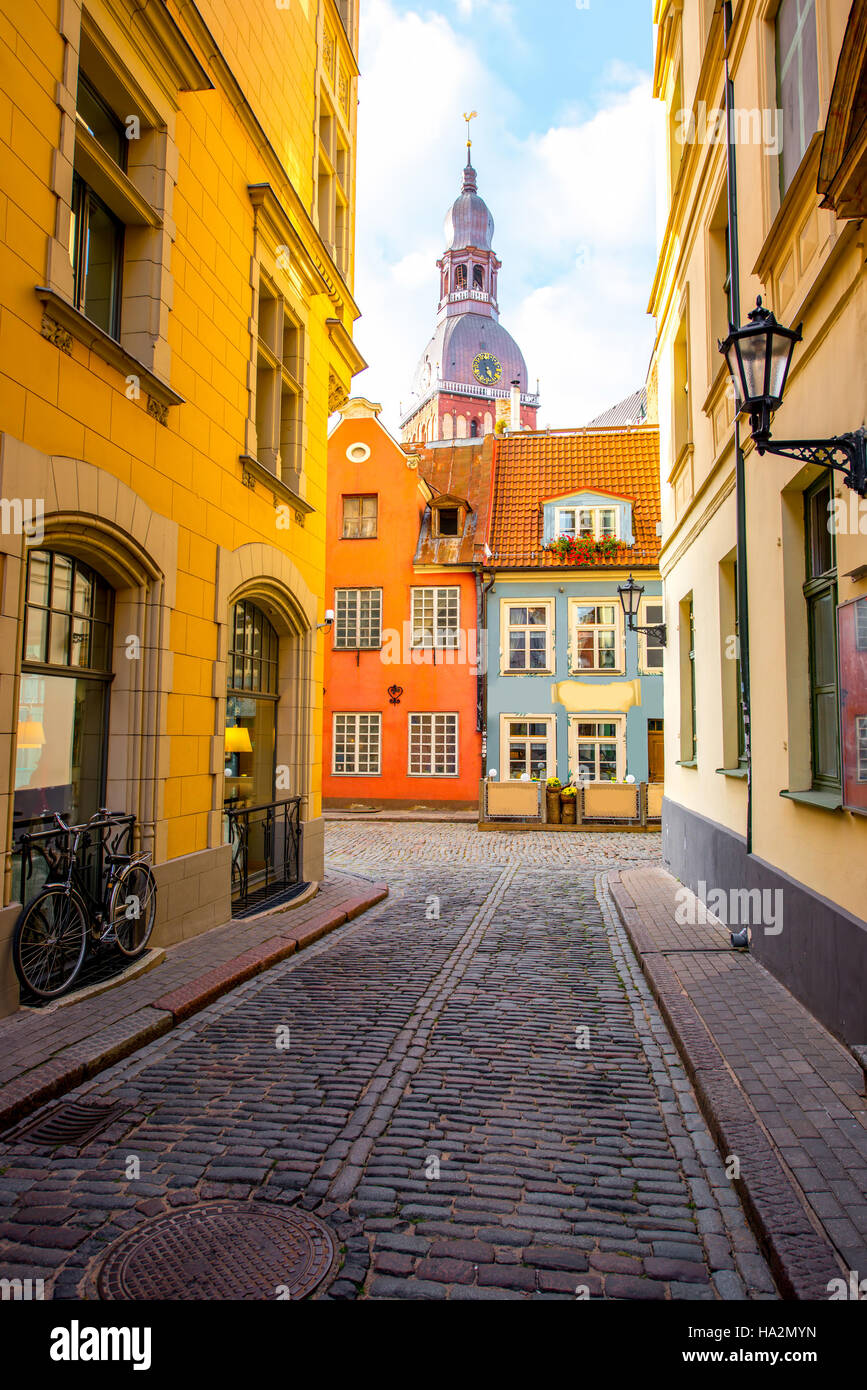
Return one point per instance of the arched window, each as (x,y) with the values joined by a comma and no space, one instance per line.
(65,679)
(474,429)
(251,707)
(460,277)
(478,278)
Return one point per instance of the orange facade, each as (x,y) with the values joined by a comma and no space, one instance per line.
(398,624)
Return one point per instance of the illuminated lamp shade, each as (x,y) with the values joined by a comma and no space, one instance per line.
(238,740)
(31,733)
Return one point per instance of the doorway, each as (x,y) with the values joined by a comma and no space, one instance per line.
(655,751)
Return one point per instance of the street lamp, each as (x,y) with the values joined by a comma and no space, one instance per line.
(630,599)
(759,356)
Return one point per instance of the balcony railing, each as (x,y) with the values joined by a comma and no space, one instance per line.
(266,851)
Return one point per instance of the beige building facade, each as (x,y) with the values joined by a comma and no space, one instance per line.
(774,803)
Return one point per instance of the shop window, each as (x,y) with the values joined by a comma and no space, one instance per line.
(528,749)
(64,691)
(251,708)
(598,749)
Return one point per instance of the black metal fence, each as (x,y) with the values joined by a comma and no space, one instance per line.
(266,851)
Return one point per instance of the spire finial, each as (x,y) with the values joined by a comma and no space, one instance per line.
(469,116)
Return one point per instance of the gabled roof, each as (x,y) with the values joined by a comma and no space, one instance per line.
(532,469)
(457,471)
(631,411)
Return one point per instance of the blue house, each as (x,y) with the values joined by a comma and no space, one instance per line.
(569,691)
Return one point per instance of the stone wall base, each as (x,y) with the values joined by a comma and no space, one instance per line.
(820,954)
(8,979)
(313,850)
(193,895)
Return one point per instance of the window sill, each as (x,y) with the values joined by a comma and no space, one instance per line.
(687,762)
(377,648)
(160,394)
(732,772)
(278,487)
(824,801)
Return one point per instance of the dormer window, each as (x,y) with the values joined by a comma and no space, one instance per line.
(447,521)
(588,523)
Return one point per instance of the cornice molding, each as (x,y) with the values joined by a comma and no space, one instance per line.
(314,247)
(349,353)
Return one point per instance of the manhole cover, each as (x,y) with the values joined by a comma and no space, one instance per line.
(68,1122)
(220,1250)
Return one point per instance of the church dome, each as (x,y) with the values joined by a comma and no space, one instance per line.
(468,220)
(456,345)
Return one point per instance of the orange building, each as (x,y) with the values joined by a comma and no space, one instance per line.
(403,680)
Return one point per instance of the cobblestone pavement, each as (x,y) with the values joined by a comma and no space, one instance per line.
(440,1104)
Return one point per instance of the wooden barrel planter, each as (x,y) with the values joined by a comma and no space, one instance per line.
(552,799)
(568,810)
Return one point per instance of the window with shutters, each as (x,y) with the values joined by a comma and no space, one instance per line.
(357,618)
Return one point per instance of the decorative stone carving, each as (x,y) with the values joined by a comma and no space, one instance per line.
(159,410)
(336,393)
(56,334)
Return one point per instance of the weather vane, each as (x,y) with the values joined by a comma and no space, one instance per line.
(469,116)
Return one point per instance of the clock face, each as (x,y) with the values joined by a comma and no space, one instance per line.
(487,368)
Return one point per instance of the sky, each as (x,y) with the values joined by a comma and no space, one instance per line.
(564,149)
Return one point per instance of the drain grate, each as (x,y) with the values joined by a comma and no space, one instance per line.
(67,1122)
(220,1250)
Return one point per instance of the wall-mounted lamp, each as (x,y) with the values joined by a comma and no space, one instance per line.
(630,598)
(759,356)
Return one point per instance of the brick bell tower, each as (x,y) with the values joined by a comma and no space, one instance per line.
(472,367)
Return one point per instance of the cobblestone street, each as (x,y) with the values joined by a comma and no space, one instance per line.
(470,1084)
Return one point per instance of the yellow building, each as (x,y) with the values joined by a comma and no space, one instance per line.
(796,826)
(176,229)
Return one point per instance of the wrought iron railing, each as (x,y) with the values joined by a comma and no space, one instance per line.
(266,850)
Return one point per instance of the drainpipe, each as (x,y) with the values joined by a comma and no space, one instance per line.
(482,698)
(740,474)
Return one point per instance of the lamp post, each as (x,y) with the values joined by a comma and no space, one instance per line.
(630,599)
(759,356)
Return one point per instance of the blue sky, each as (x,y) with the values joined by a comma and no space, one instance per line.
(564,147)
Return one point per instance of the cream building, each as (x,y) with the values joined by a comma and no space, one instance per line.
(797,824)
(176,232)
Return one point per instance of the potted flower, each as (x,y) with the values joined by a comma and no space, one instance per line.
(569,805)
(552,798)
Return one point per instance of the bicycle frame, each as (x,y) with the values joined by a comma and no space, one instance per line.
(75,879)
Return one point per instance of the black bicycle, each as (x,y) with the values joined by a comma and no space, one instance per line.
(54,931)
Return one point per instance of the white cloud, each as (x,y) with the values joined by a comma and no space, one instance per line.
(573,207)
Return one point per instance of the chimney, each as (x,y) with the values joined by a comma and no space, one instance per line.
(515,422)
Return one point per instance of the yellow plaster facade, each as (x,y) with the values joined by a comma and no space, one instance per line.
(153,448)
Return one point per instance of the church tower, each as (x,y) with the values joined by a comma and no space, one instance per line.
(467,372)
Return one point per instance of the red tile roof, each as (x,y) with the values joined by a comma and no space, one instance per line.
(531,469)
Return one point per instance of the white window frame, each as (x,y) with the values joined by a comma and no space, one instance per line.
(598,718)
(441,594)
(506,627)
(597,601)
(595,511)
(644,620)
(376,718)
(356,645)
(434,716)
(550,722)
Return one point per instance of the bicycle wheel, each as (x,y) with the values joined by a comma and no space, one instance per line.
(49,941)
(132,907)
